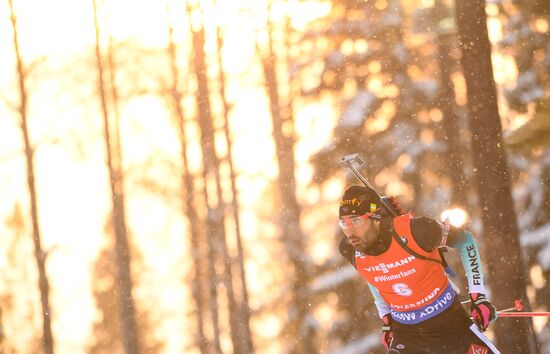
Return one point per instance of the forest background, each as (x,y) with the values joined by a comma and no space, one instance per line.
(169,173)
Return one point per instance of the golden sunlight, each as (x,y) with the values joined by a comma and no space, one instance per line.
(456,216)
(73,231)
(150,92)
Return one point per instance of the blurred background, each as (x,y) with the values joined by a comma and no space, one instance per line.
(169,173)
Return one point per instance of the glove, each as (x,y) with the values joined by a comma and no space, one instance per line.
(387,334)
(483,312)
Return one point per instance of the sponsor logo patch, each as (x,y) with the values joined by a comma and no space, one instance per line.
(435,306)
(394,276)
(402,289)
(385,267)
(350,202)
(478,349)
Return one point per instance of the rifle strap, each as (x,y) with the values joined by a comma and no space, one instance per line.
(403,244)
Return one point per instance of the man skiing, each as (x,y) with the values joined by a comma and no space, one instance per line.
(400,259)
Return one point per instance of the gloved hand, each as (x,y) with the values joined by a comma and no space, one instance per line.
(483,312)
(387,334)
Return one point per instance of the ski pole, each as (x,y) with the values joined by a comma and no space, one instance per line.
(518,306)
(516,311)
(523,314)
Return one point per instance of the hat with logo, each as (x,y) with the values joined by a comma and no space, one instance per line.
(359,200)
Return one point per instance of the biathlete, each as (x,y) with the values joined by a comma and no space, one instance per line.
(400,259)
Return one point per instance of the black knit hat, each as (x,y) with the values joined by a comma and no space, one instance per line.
(359,200)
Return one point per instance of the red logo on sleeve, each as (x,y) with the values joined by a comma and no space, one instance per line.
(478,349)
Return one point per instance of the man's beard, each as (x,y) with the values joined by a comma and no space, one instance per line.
(373,245)
(358,243)
(363,245)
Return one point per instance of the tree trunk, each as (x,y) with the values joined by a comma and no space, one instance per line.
(451,126)
(291,232)
(117,149)
(504,263)
(114,164)
(106,333)
(2,351)
(197,252)
(242,325)
(40,255)
(212,225)
(215,203)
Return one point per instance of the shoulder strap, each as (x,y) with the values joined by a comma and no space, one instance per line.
(441,250)
(403,244)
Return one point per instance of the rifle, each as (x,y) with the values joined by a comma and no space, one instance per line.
(392,207)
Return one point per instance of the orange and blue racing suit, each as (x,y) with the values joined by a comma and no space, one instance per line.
(427,315)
